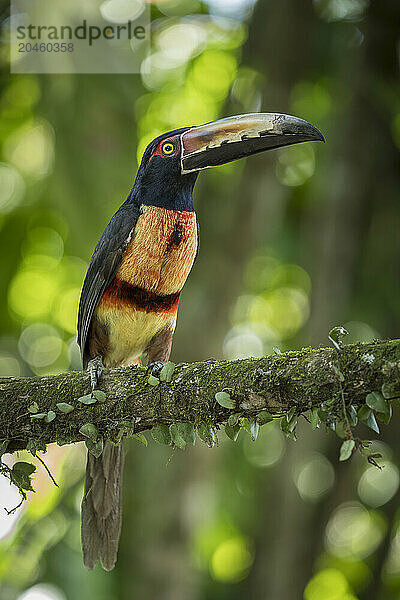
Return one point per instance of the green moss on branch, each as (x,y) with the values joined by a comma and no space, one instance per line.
(301,380)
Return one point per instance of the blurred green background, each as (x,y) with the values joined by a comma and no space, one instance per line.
(292,243)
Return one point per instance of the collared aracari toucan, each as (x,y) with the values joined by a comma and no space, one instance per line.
(130,296)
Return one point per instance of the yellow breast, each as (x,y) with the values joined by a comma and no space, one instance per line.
(130,332)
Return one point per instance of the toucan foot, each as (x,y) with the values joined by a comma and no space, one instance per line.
(154,368)
(95,368)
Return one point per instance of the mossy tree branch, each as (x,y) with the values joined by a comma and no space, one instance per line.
(292,382)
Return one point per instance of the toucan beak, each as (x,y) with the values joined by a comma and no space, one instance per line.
(223,141)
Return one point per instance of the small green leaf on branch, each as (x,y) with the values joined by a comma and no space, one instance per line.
(232,431)
(182,434)
(314,418)
(161,434)
(377,402)
(167,371)
(140,438)
(264,417)
(90,431)
(352,415)
(367,417)
(336,336)
(21,475)
(50,416)
(380,405)
(25,467)
(224,399)
(99,395)
(291,414)
(34,446)
(385,417)
(206,433)
(88,399)
(64,407)
(233,419)
(340,429)
(254,428)
(288,427)
(251,426)
(95,447)
(346,449)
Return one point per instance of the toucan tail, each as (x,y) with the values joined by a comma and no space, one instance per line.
(102,507)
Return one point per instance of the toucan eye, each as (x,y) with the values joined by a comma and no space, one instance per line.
(168,148)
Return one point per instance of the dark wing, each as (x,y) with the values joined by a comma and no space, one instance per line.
(103,266)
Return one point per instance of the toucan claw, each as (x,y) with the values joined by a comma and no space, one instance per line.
(154,368)
(95,368)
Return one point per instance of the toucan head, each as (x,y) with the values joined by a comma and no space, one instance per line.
(172,161)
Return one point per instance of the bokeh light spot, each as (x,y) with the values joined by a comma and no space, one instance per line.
(231,560)
(269,448)
(42,591)
(21,94)
(311,100)
(329,584)
(172,8)
(314,477)
(66,310)
(295,165)
(242,342)
(376,487)
(182,41)
(121,11)
(283,310)
(353,531)
(238,9)
(12,188)
(31,149)
(341,10)
(9,365)
(40,345)
(43,241)
(213,72)
(32,291)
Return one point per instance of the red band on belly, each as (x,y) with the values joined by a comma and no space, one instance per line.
(120,292)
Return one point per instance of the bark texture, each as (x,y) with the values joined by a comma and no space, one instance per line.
(303,379)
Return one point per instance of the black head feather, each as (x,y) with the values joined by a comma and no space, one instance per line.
(159,180)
